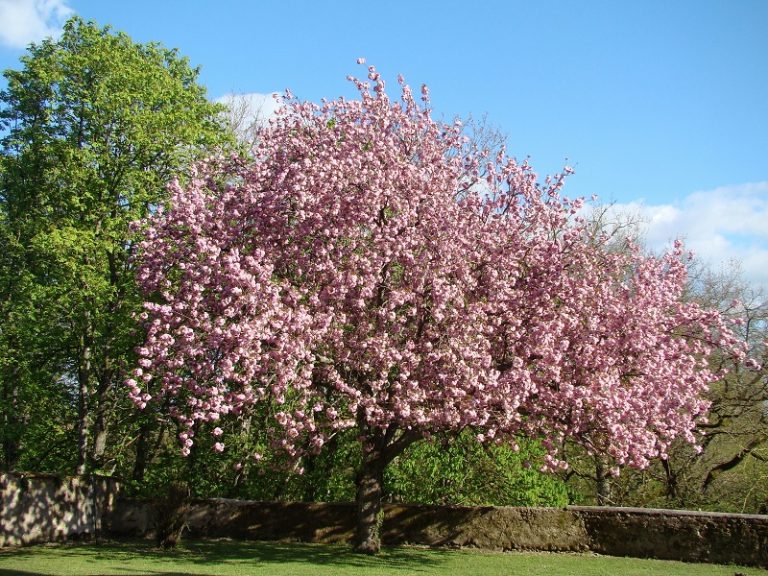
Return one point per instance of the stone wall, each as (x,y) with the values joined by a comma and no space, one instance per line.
(677,535)
(38,508)
(35,508)
(667,534)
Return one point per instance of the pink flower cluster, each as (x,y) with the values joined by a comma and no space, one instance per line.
(369,269)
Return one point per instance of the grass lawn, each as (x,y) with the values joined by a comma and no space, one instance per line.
(129,558)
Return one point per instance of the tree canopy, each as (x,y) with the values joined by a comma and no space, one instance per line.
(93,127)
(368,270)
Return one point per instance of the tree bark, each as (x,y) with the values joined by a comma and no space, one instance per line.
(670,480)
(142,452)
(380,447)
(603,482)
(102,414)
(11,423)
(734,461)
(370,485)
(83,392)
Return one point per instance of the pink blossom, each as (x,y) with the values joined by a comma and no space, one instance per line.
(351,275)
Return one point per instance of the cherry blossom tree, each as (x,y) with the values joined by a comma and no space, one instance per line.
(368,269)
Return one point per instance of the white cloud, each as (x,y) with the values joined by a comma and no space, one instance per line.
(249,112)
(26,21)
(721,225)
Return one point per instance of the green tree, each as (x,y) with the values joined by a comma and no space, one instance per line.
(93,127)
(462,471)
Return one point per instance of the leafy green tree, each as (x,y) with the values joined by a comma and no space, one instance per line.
(463,471)
(93,127)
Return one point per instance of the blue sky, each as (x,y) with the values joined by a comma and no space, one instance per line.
(661,106)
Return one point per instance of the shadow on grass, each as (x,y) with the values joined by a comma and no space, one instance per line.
(143,573)
(205,553)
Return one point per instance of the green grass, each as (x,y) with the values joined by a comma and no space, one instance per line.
(129,558)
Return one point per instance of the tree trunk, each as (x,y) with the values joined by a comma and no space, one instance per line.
(603,482)
(370,484)
(83,392)
(670,481)
(99,444)
(11,423)
(142,452)
(146,447)
(100,425)
(13,420)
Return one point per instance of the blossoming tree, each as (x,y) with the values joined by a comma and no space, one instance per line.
(367,269)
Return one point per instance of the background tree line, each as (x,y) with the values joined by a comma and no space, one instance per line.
(93,128)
